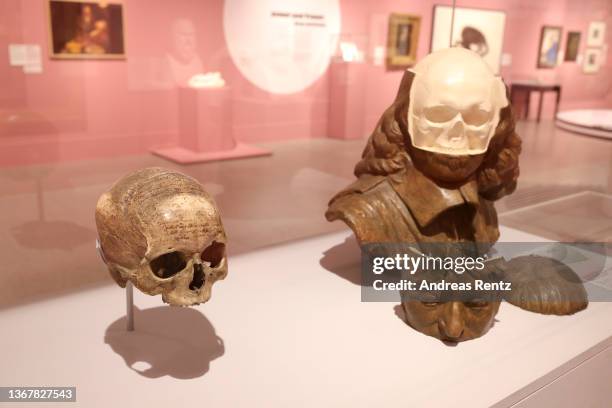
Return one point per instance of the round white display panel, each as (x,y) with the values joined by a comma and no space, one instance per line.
(281,46)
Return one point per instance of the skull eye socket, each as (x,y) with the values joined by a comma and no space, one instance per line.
(167,265)
(439,113)
(476,117)
(214,254)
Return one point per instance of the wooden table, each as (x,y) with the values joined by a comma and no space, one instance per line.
(525,88)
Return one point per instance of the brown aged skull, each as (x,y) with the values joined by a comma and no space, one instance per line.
(160,230)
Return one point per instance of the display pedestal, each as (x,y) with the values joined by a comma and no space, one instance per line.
(347,96)
(592,122)
(287,328)
(205,129)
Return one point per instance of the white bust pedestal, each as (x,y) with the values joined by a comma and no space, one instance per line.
(205,128)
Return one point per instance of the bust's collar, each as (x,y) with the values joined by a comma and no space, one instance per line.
(425,199)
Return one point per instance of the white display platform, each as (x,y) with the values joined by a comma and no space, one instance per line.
(592,122)
(284,331)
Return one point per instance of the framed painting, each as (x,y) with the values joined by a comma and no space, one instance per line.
(596,33)
(402,40)
(548,50)
(479,30)
(86,30)
(592,61)
(572,45)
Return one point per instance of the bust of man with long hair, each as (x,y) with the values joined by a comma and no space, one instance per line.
(434,165)
(439,157)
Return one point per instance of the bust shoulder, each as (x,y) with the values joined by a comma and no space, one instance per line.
(372,209)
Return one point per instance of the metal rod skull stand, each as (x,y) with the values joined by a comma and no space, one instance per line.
(129,295)
(129,303)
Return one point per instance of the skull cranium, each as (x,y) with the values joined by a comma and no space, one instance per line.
(455,101)
(160,230)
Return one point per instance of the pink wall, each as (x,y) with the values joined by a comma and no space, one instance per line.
(524,19)
(85,109)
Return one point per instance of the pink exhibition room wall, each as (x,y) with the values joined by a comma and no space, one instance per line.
(524,19)
(74,109)
(86,109)
(79,109)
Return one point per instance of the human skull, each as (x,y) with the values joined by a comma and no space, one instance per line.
(160,230)
(455,100)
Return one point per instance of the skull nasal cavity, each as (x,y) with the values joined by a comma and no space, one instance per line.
(168,265)
(457,129)
(198,277)
(214,254)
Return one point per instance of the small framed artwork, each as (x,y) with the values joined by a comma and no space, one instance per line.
(86,30)
(479,30)
(572,46)
(402,40)
(548,51)
(592,61)
(595,36)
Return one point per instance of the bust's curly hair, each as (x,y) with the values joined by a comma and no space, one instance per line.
(387,149)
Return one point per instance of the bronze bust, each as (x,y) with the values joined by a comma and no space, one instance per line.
(439,157)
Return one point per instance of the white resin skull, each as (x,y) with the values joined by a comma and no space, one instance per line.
(455,100)
(160,230)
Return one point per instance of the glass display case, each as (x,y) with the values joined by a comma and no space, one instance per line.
(272,109)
